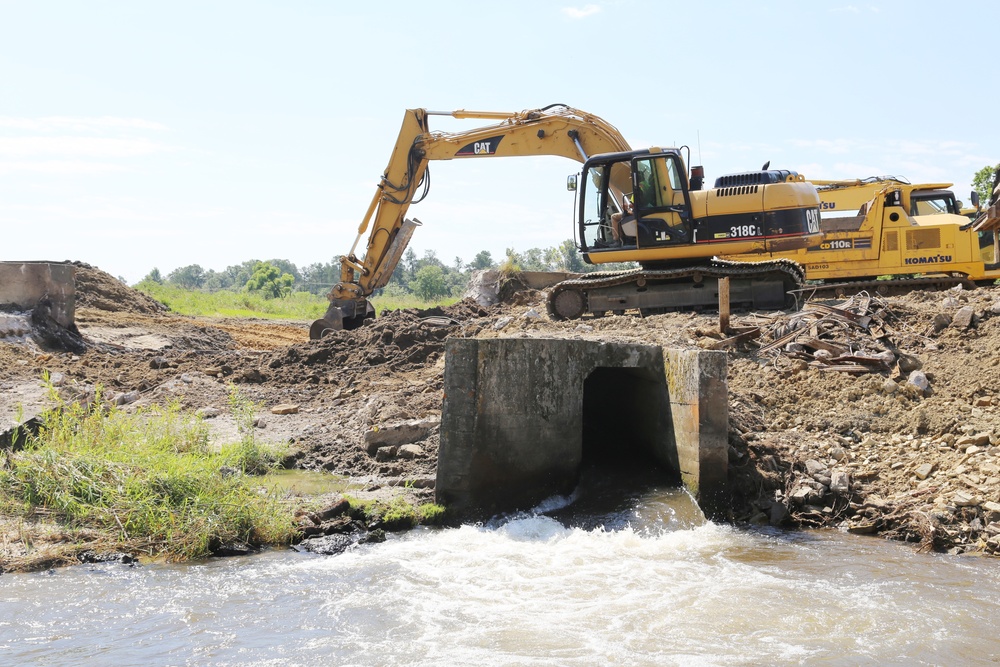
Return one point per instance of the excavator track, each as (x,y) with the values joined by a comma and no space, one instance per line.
(766,285)
(894,287)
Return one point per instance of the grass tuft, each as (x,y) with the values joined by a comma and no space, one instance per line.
(148,477)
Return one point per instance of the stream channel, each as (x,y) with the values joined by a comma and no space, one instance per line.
(602,578)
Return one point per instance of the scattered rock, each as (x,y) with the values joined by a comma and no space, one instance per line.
(963,499)
(919,380)
(410,451)
(400,434)
(386,453)
(814,467)
(285,409)
(908,363)
(963,318)
(338,508)
(941,322)
(90,556)
(840,483)
(126,398)
(974,440)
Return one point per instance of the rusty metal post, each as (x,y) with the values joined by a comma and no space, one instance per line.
(723,305)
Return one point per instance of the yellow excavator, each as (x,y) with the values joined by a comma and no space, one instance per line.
(634,206)
(886,226)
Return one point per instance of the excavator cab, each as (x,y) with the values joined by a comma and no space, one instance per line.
(634,200)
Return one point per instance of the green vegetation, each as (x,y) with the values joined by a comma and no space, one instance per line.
(226,303)
(279,289)
(147,477)
(397,513)
(982,182)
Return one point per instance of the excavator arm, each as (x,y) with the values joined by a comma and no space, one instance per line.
(553,130)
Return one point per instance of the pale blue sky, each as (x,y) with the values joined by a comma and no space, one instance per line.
(141,134)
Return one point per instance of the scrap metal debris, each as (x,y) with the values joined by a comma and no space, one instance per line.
(853,336)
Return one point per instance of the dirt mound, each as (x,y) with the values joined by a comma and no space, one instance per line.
(399,341)
(100,290)
(465,309)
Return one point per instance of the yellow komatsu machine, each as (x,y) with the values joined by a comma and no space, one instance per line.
(634,205)
(885,226)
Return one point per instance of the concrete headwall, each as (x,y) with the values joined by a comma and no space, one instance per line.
(513,420)
(24,284)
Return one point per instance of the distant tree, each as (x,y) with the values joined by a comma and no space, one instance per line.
(409,262)
(214,281)
(983,181)
(188,277)
(269,281)
(483,260)
(318,278)
(429,282)
(154,276)
(533,259)
(568,258)
(237,275)
(285,266)
(430,257)
(455,283)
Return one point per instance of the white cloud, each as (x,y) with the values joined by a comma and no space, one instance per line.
(57,167)
(105,147)
(852,9)
(581,12)
(78,124)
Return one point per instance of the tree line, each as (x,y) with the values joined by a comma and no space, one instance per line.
(426,277)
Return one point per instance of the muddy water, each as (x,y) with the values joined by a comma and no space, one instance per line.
(639,580)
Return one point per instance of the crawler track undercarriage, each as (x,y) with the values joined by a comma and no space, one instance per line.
(765,285)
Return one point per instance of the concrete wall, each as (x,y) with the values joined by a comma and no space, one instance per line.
(512,423)
(24,284)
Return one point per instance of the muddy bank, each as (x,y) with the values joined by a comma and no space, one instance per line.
(829,428)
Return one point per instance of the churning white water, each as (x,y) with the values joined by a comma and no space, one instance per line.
(657,585)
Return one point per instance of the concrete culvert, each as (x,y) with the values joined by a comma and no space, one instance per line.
(521,417)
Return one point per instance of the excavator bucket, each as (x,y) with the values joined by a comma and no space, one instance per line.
(989,221)
(341,315)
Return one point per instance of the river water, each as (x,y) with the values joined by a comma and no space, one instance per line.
(643,580)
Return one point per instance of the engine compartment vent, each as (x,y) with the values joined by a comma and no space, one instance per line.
(738,190)
(754,178)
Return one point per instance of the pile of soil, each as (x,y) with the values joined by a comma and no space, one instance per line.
(868,452)
(97,289)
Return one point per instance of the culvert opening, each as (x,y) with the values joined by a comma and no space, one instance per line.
(626,420)
(627,447)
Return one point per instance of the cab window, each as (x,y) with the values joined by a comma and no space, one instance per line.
(933,205)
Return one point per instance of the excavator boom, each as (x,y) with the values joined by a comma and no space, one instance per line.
(556,130)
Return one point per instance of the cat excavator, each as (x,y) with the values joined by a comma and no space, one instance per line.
(634,206)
